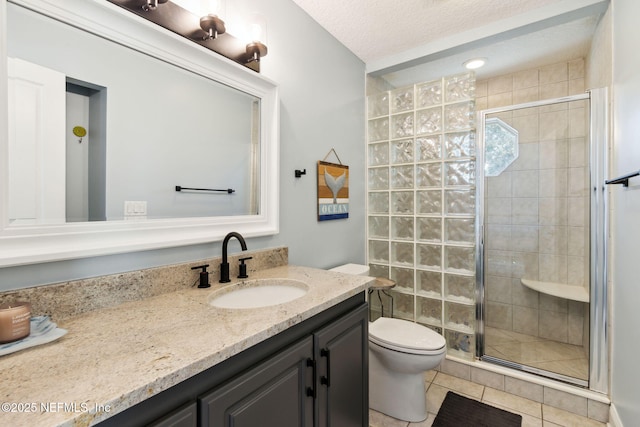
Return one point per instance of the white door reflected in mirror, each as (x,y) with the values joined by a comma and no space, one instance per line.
(36,144)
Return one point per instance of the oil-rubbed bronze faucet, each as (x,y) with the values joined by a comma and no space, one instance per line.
(224,267)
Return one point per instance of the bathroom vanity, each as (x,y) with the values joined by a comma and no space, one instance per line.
(314,374)
(173,359)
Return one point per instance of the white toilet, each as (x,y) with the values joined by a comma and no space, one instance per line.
(400,352)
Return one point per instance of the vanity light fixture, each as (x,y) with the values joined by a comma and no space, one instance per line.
(475,63)
(256,35)
(201,22)
(152,5)
(212,26)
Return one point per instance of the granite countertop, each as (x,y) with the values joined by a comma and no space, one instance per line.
(114,358)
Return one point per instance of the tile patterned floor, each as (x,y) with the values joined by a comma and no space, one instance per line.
(565,359)
(534,414)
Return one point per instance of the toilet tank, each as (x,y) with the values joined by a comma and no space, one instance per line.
(355,269)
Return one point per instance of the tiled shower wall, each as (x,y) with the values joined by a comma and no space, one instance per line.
(536,211)
(552,81)
(421,204)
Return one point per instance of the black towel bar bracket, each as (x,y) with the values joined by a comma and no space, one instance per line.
(624,179)
(228,190)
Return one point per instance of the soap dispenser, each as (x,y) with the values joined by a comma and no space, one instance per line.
(204,276)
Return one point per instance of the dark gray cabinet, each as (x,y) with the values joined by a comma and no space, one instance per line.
(342,352)
(312,374)
(321,381)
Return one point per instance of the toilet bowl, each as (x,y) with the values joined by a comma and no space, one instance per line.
(400,352)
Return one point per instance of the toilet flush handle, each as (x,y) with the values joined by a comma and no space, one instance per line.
(326,380)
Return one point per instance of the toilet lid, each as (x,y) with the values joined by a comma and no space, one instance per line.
(403,335)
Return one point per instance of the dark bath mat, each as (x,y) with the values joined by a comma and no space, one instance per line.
(459,411)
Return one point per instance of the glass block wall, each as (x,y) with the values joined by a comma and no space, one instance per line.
(421,204)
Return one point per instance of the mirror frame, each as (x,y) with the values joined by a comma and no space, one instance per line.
(21,245)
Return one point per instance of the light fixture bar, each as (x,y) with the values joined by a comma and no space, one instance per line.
(181,21)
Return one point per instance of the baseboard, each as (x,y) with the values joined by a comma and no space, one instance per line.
(614,418)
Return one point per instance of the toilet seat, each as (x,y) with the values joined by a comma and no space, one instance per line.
(404,336)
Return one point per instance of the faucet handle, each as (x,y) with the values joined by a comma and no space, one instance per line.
(204,276)
(243,268)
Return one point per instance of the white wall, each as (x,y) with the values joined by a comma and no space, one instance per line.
(626,216)
(322,107)
(599,60)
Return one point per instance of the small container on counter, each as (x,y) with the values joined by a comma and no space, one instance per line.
(15,321)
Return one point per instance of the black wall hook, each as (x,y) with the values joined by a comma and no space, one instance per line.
(299,172)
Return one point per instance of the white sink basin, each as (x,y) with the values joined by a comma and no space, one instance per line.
(258,293)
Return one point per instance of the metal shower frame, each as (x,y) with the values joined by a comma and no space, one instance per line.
(599,231)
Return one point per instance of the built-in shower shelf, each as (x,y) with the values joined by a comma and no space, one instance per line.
(561,290)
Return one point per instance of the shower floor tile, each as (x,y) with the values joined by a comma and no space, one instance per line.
(566,359)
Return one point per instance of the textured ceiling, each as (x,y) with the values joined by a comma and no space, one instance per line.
(374,29)
(408,41)
(548,46)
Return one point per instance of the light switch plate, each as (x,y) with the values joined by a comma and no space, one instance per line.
(135,209)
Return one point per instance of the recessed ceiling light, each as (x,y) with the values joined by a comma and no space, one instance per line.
(475,63)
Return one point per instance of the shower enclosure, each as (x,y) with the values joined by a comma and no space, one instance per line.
(492,224)
(540,229)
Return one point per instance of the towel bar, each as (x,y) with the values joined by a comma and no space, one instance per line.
(228,190)
(624,179)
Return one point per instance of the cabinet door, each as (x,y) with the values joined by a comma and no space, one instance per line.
(274,393)
(342,354)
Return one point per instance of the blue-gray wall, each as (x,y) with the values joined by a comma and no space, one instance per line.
(322,90)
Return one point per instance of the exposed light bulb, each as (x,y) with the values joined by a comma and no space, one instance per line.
(255,35)
(257,32)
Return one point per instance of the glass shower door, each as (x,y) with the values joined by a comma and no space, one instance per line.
(534,221)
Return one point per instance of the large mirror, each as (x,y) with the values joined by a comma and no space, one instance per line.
(116,125)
